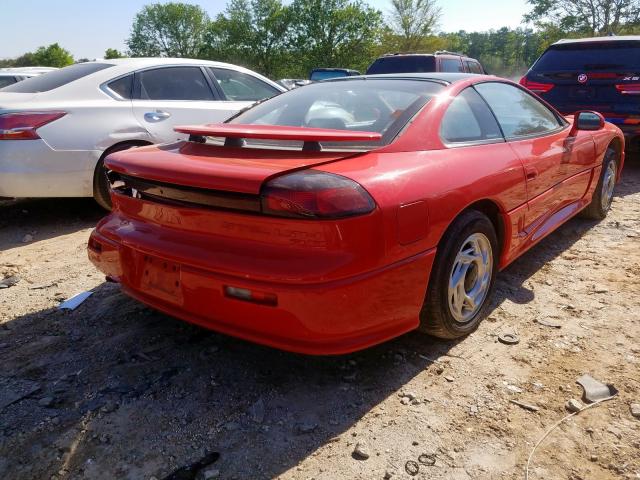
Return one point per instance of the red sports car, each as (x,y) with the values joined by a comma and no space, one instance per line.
(344,213)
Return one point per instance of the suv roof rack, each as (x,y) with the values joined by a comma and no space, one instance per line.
(447,52)
(391,54)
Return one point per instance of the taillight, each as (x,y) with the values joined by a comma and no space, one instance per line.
(315,194)
(23,125)
(536,87)
(629,88)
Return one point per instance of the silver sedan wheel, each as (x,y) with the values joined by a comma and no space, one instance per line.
(470,277)
(608,184)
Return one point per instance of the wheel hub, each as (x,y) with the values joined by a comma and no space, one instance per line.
(470,277)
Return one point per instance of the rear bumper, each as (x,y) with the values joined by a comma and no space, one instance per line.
(31,168)
(332,317)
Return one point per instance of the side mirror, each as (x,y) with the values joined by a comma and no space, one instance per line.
(587,120)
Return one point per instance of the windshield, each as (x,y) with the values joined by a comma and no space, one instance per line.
(585,57)
(375,105)
(403,64)
(57,78)
(318,75)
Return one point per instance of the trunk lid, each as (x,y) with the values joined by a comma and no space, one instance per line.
(11,101)
(230,168)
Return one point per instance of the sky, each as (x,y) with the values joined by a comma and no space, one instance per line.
(88,27)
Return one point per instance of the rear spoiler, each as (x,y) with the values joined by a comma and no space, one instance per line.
(236,133)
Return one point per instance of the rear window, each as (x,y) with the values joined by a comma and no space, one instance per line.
(403,64)
(613,56)
(383,106)
(57,78)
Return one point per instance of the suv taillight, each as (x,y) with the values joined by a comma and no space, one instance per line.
(536,87)
(315,194)
(23,125)
(629,88)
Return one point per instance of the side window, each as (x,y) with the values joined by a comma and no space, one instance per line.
(473,67)
(239,86)
(518,113)
(468,119)
(174,83)
(122,87)
(451,65)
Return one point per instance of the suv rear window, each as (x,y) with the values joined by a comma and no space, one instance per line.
(403,64)
(57,78)
(585,57)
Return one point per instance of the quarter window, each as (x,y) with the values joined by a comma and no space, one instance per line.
(174,83)
(518,113)
(468,119)
(239,86)
(122,86)
(473,67)
(451,65)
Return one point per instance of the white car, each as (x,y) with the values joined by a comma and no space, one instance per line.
(9,76)
(56,129)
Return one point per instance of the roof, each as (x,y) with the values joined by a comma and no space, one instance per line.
(621,38)
(446,77)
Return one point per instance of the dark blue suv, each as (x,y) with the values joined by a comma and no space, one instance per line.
(601,74)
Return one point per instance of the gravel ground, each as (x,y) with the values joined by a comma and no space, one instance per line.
(115,390)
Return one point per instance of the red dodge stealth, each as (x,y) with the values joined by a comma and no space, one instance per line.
(342,214)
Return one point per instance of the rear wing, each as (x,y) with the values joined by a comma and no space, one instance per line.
(235,134)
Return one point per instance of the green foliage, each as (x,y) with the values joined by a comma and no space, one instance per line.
(52,56)
(505,52)
(252,33)
(111,53)
(412,21)
(281,40)
(334,33)
(168,30)
(587,17)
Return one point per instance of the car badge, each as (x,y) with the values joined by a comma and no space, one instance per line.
(582,78)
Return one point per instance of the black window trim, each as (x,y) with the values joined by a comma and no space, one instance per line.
(136,83)
(223,97)
(562,123)
(488,141)
(104,86)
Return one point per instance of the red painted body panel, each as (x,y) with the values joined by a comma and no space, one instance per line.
(213,167)
(341,285)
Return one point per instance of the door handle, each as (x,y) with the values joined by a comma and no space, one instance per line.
(156,116)
(531,173)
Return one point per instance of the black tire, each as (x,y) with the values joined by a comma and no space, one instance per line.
(100,181)
(436,317)
(597,209)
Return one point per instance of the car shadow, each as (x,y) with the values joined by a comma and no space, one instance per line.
(45,218)
(165,394)
(510,282)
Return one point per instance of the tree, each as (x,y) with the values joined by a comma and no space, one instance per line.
(253,33)
(169,30)
(334,33)
(111,53)
(52,56)
(592,17)
(412,21)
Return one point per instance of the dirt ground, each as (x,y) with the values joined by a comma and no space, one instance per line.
(115,390)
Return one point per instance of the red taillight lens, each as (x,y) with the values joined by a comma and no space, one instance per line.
(23,125)
(314,194)
(629,88)
(536,87)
